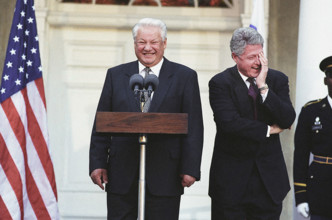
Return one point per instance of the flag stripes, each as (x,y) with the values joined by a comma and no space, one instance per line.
(4,212)
(18,113)
(6,193)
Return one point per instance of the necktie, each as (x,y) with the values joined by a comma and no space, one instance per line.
(146,71)
(253,92)
(146,96)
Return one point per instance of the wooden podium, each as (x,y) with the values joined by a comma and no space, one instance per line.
(142,123)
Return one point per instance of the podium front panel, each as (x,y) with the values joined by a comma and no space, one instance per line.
(142,123)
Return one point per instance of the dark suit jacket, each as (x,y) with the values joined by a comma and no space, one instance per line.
(167,156)
(313,184)
(241,141)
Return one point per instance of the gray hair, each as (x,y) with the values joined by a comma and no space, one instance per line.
(150,22)
(242,37)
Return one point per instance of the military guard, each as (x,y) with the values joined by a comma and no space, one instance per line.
(313,136)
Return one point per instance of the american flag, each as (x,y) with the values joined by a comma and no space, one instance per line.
(27,181)
(257,20)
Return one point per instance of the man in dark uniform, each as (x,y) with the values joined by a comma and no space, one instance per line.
(313,182)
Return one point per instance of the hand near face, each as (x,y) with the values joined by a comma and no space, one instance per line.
(260,80)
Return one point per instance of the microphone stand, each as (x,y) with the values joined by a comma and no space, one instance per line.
(142,142)
(150,83)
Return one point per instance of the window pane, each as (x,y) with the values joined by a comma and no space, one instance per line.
(78,1)
(214,3)
(185,3)
(155,2)
(113,2)
(177,2)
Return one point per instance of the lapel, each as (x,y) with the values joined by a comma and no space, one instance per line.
(165,81)
(241,94)
(131,69)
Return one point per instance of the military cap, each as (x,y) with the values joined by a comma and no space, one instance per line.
(326,65)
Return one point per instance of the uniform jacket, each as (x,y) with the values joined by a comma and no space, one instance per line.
(241,142)
(167,156)
(313,184)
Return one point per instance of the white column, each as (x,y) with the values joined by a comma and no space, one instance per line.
(314,45)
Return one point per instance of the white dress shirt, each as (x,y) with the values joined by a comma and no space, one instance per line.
(153,70)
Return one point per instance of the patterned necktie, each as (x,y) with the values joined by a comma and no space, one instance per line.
(253,92)
(146,96)
(146,71)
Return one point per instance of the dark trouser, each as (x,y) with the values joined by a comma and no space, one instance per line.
(125,207)
(256,204)
(317,217)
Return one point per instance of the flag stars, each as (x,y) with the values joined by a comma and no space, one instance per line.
(21,69)
(24,57)
(18,82)
(30,20)
(37,38)
(16,39)
(27,32)
(3,91)
(33,50)
(9,64)
(26,75)
(40,68)
(33,7)
(19,26)
(25,44)
(22,14)
(29,63)
(12,52)
(6,77)
(25,2)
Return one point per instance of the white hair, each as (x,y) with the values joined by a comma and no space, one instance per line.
(151,22)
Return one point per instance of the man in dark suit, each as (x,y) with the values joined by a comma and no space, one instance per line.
(172,161)
(251,106)
(313,183)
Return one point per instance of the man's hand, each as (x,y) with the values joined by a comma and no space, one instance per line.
(275,129)
(187,180)
(260,80)
(303,209)
(99,176)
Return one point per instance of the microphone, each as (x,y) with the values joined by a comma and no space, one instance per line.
(151,82)
(136,82)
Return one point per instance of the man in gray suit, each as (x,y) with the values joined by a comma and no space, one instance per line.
(172,161)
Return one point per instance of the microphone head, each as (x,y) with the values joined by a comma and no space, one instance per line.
(136,80)
(151,80)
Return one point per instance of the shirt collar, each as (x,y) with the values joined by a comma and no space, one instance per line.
(329,99)
(244,78)
(154,69)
